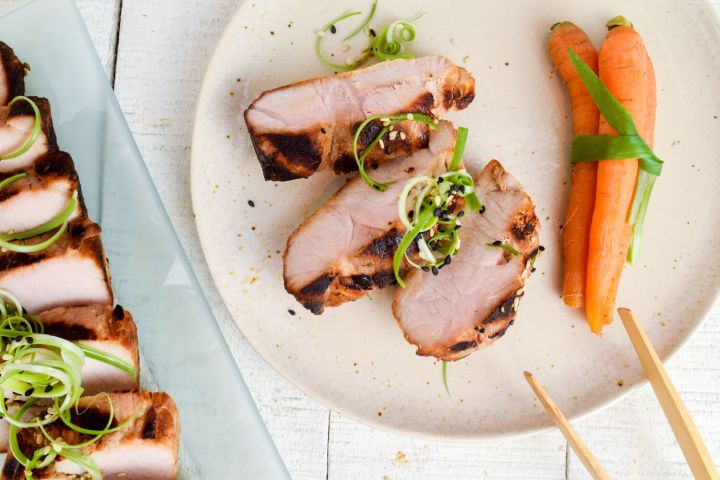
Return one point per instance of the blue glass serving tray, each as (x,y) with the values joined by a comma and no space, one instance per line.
(183,351)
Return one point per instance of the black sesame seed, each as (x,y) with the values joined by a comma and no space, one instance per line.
(533,270)
(440,179)
(437,212)
(48,388)
(482,209)
(372,32)
(425,269)
(482,330)
(435,270)
(322,129)
(29,339)
(541,248)
(447,260)
(497,243)
(511,322)
(441,230)
(411,213)
(18,338)
(461,213)
(457,227)
(291,311)
(251,203)
(29,391)
(333,29)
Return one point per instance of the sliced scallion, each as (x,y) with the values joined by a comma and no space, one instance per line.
(627,146)
(34,133)
(387,121)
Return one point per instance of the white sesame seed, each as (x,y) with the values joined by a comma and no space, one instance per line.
(436,121)
(403,136)
(384,119)
(393,134)
(345,48)
(392,127)
(516,302)
(438,200)
(382,144)
(410,116)
(320,33)
(453,42)
(349,61)
(466,58)
(520,292)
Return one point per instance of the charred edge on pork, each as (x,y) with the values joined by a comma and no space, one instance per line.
(51,166)
(15,71)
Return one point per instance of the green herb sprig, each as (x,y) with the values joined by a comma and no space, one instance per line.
(388,45)
(628,145)
(427,207)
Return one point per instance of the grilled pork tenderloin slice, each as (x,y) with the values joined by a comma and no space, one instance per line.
(107,328)
(111,330)
(12,74)
(473,300)
(16,125)
(73,271)
(41,195)
(346,248)
(146,449)
(308,126)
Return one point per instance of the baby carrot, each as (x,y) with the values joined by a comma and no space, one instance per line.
(623,65)
(585,119)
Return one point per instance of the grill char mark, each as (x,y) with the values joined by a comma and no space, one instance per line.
(15,71)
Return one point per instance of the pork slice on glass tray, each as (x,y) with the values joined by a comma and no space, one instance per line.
(12,74)
(16,126)
(146,449)
(72,271)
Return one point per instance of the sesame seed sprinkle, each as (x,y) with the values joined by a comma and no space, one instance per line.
(410,116)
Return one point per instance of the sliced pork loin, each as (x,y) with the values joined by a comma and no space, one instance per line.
(346,248)
(108,329)
(309,126)
(474,299)
(73,271)
(41,195)
(12,74)
(16,125)
(146,449)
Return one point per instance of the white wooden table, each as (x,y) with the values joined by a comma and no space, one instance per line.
(156,52)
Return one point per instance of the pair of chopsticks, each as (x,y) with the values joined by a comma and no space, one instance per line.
(675,411)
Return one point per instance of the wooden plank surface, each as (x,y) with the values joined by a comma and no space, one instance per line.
(162,53)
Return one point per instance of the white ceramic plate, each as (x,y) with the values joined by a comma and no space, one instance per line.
(354,358)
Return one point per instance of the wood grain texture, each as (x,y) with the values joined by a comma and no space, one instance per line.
(163,50)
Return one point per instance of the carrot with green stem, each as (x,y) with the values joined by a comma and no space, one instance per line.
(623,65)
(585,120)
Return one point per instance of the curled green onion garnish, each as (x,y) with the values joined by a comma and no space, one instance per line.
(388,123)
(388,45)
(42,374)
(60,221)
(430,209)
(353,64)
(12,179)
(504,246)
(34,134)
(444,376)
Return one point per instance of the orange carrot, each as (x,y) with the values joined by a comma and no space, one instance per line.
(623,65)
(585,117)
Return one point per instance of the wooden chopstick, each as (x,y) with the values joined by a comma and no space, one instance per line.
(682,425)
(578,446)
